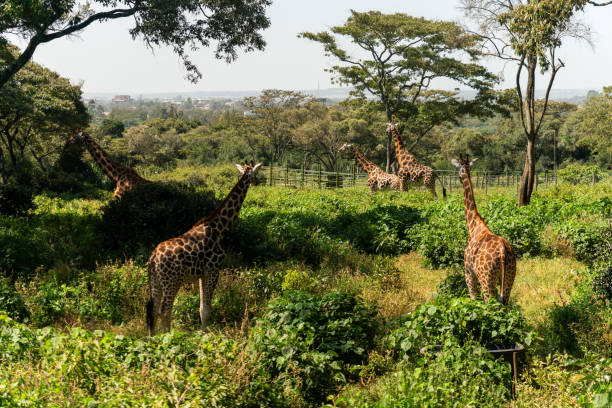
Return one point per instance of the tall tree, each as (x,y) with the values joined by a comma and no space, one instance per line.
(184,25)
(528,33)
(398,56)
(36,112)
(270,121)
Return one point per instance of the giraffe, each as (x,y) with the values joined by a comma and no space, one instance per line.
(125,177)
(195,255)
(377,178)
(487,256)
(411,171)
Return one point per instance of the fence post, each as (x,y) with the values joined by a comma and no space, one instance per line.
(546,178)
(486,181)
(450,183)
(507,178)
(535,180)
(319,175)
(271,165)
(593,178)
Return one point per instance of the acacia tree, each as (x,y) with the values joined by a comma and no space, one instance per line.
(528,33)
(181,24)
(270,121)
(399,56)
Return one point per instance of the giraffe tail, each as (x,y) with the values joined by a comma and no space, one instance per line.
(150,317)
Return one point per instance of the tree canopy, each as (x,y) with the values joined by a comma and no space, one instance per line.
(183,25)
(397,59)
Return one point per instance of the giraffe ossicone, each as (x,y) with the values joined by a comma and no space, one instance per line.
(487,257)
(125,177)
(411,172)
(197,255)
(377,179)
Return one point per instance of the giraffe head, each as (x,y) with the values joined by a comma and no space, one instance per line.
(391,126)
(248,170)
(76,136)
(344,146)
(464,164)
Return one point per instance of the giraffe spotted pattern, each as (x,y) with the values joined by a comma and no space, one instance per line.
(487,257)
(125,177)
(411,172)
(196,255)
(377,179)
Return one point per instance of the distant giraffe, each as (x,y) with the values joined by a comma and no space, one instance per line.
(487,256)
(377,178)
(195,255)
(411,171)
(125,177)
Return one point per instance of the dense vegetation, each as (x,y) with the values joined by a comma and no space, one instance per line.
(314,301)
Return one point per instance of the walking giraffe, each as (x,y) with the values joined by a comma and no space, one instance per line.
(488,257)
(411,171)
(195,255)
(125,177)
(377,179)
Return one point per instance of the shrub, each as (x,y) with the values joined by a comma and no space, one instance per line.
(453,286)
(458,376)
(576,173)
(442,241)
(463,320)
(152,213)
(589,238)
(15,199)
(602,283)
(306,340)
(11,302)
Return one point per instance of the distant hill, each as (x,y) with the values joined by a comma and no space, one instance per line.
(565,95)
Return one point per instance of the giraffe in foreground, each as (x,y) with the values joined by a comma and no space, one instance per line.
(377,178)
(411,171)
(125,177)
(487,256)
(195,255)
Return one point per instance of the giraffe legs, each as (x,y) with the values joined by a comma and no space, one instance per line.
(432,189)
(166,310)
(207,286)
(470,280)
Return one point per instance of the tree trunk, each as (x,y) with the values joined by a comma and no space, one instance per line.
(529,123)
(527,179)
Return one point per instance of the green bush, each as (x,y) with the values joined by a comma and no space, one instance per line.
(576,173)
(11,302)
(150,214)
(458,376)
(453,286)
(307,340)
(602,283)
(589,239)
(15,199)
(462,320)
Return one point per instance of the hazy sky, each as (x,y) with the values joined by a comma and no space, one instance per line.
(106,59)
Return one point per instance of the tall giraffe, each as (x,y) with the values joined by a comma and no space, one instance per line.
(195,255)
(125,177)
(487,256)
(411,171)
(377,178)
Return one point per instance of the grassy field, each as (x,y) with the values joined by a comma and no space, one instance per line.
(324,297)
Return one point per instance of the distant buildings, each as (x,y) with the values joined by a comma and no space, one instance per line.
(121,98)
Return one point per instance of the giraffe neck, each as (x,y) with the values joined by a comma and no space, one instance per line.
(222,218)
(474,221)
(402,154)
(365,164)
(107,165)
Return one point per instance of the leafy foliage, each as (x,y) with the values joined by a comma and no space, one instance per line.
(158,211)
(306,340)
(461,320)
(11,302)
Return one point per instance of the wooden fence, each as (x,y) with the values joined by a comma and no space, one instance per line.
(354,176)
